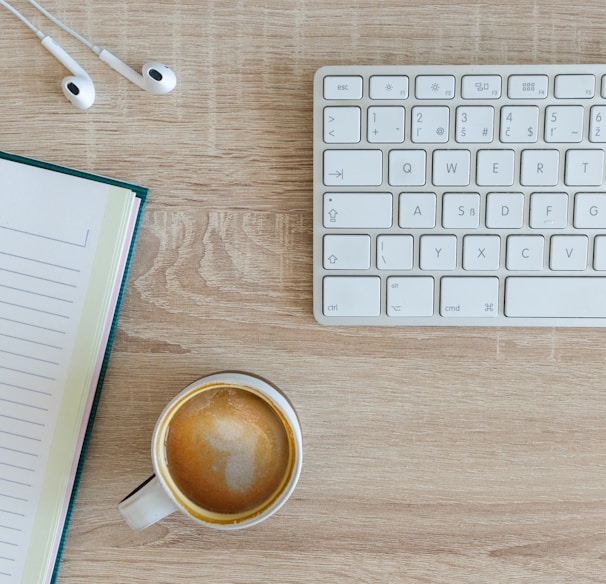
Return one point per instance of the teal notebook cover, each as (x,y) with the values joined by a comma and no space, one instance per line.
(141,194)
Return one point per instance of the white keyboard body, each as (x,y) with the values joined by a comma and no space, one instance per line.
(460,195)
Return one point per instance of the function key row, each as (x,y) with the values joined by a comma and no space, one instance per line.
(440,87)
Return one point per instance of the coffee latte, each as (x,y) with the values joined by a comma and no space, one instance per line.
(228,450)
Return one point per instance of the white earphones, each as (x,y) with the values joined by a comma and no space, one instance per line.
(155,78)
(77,88)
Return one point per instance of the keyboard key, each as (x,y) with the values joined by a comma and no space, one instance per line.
(451,167)
(540,168)
(568,252)
(599,253)
(563,297)
(342,87)
(574,86)
(352,296)
(417,210)
(353,167)
(495,168)
(528,86)
(590,211)
(481,252)
(519,123)
(584,167)
(481,87)
(358,210)
(410,296)
(430,124)
(386,124)
(474,124)
(525,252)
(395,252)
(597,124)
(564,123)
(461,210)
(342,125)
(407,167)
(435,87)
(389,87)
(469,297)
(505,210)
(346,252)
(548,210)
(438,252)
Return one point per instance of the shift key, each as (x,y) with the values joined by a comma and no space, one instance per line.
(353,167)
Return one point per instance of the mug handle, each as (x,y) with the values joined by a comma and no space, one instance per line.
(146,505)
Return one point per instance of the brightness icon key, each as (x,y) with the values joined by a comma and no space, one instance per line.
(435,87)
(388,87)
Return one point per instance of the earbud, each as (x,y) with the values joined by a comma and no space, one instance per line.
(155,78)
(77,88)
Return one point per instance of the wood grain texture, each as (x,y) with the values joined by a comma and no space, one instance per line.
(431,456)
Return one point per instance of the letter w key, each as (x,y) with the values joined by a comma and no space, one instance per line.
(451,167)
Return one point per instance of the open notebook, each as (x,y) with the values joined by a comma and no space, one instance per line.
(66,240)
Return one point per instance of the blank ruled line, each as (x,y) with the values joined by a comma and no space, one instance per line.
(12,482)
(22,420)
(27,373)
(10,543)
(23,404)
(37,261)
(9,512)
(22,499)
(18,468)
(23,388)
(10,528)
(47,237)
(33,293)
(33,325)
(34,309)
(35,277)
(18,451)
(30,357)
(31,341)
(21,436)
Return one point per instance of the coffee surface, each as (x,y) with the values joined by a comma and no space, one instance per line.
(227,450)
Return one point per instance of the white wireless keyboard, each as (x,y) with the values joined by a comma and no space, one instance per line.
(460,195)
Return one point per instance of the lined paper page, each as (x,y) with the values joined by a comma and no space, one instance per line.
(49,240)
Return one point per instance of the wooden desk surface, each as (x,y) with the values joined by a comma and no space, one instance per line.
(442,456)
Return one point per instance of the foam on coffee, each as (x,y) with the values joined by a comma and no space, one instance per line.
(227,450)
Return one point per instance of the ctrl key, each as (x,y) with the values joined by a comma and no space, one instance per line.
(352,296)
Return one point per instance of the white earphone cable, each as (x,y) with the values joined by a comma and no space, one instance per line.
(20,16)
(64,26)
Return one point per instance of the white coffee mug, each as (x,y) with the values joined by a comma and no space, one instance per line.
(227,451)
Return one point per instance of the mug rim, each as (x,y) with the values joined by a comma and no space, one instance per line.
(278,401)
